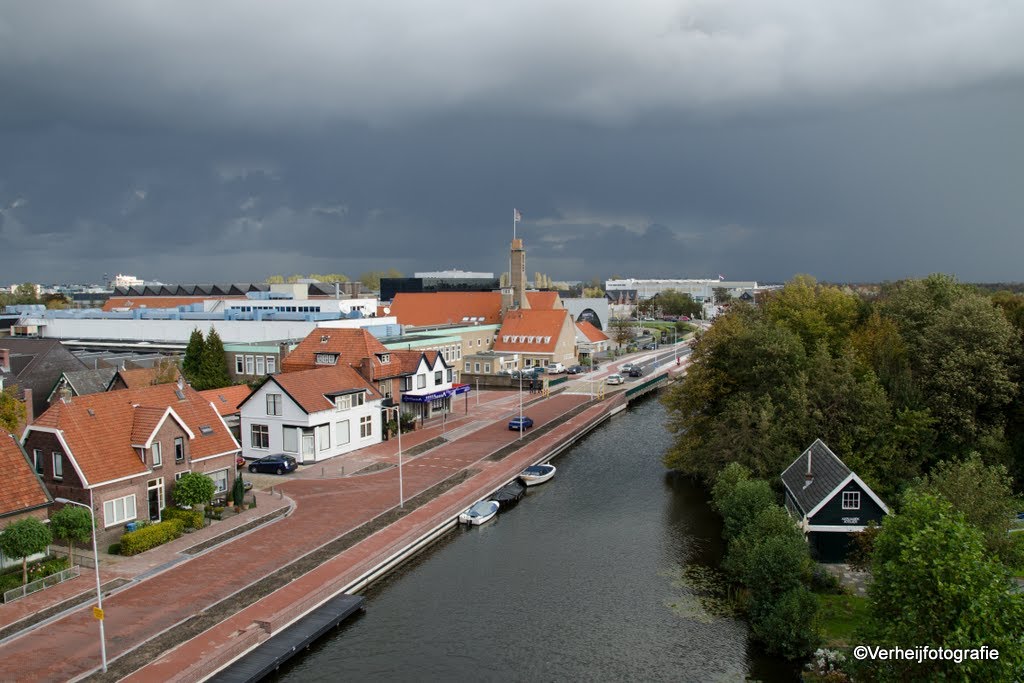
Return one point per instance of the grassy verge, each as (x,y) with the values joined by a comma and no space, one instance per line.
(840,616)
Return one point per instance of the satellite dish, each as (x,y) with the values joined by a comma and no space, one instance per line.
(387,310)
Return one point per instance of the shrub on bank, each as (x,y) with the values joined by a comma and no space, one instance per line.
(135,542)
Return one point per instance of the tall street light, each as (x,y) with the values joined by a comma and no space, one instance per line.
(96,561)
(398,421)
(521,403)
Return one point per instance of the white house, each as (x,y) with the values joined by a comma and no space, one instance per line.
(311,414)
(430,385)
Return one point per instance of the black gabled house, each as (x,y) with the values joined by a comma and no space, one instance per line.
(829,501)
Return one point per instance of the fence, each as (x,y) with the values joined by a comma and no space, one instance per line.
(40,584)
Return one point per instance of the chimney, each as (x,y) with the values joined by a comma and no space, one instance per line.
(30,413)
(5,360)
(809,477)
(65,394)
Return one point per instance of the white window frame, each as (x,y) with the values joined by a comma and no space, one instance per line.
(450,375)
(365,426)
(274,404)
(342,432)
(250,365)
(264,431)
(110,514)
(851,500)
(58,465)
(343,402)
(284,439)
(179,447)
(271,365)
(421,381)
(157,453)
(217,488)
(179,475)
(260,367)
(239,364)
(438,377)
(467,367)
(323,437)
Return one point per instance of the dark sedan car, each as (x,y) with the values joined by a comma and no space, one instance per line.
(518,423)
(636,371)
(576,370)
(274,464)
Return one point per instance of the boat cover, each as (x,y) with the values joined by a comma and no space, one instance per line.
(509,494)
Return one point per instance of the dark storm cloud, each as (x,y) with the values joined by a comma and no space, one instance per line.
(188,142)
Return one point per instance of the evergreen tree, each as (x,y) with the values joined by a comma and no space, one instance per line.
(213,367)
(191,365)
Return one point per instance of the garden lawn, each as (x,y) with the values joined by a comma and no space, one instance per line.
(840,616)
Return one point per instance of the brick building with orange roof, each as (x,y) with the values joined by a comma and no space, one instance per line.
(122,451)
(540,337)
(22,493)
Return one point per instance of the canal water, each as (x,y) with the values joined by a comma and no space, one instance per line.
(605,573)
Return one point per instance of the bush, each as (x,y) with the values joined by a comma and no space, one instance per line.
(822,580)
(46,568)
(10,582)
(193,489)
(193,519)
(135,542)
(114,549)
(788,625)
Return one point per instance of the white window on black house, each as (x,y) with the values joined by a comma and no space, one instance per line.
(851,500)
(274,404)
(365,427)
(179,449)
(58,465)
(260,436)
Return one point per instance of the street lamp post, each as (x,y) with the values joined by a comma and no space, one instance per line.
(398,421)
(96,562)
(520,404)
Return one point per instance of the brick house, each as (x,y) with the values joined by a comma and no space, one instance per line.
(540,337)
(22,494)
(122,451)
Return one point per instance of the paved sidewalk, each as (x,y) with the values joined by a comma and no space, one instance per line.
(325,508)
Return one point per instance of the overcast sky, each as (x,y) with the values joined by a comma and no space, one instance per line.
(192,141)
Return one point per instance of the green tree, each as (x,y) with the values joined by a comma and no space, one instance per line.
(371,279)
(275,280)
(621,332)
(192,364)
(935,584)
(788,624)
(72,523)
(814,312)
(167,371)
(193,488)
(56,301)
(26,293)
(24,538)
(213,365)
(983,494)
(742,504)
(674,302)
(769,555)
(12,411)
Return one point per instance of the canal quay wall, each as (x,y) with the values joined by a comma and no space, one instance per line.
(370,560)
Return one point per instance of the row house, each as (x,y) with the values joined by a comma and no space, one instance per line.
(121,451)
(22,493)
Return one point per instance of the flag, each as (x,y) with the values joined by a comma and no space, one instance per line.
(720,277)
(516,216)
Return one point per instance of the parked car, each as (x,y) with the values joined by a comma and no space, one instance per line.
(556,369)
(636,371)
(518,423)
(576,370)
(274,464)
(684,318)
(650,347)
(626,367)
(528,373)
(615,379)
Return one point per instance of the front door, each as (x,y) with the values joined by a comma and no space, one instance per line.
(156,498)
(308,453)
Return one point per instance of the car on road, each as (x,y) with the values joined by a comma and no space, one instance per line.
(556,369)
(274,464)
(519,423)
(650,347)
(528,373)
(626,367)
(636,371)
(576,370)
(615,379)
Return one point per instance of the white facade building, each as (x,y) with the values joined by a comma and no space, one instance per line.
(311,414)
(700,290)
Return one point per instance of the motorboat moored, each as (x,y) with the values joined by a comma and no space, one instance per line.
(480,512)
(537,474)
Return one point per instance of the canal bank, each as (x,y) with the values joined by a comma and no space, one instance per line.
(387,548)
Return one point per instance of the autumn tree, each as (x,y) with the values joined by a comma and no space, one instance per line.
(12,410)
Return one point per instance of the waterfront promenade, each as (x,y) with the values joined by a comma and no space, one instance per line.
(167,589)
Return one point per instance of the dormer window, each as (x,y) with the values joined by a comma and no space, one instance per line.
(505,339)
(326,359)
(324,338)
(547,340)
(343,402)
(385,358)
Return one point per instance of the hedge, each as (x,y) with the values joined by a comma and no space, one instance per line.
(135,542)
(36,571)
(193,518)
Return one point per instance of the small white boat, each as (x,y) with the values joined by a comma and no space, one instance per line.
(537,474)
(481,512)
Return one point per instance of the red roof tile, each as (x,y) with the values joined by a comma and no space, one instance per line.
(351,345)
(530,330)
(227,400)
(543,301)
(141,377)
(99,428)
(592,333)
(309,388)
(446,308)
(21,489)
